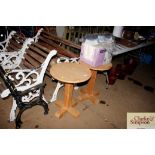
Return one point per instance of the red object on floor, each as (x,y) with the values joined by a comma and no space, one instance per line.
(120,71)
(112,76)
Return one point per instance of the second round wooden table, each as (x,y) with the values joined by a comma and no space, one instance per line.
(89,93)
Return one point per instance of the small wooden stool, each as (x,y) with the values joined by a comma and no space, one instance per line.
(69,74)
(88,92)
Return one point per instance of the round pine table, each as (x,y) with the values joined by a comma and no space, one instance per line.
(69,74)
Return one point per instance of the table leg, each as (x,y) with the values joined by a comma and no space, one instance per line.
(91,82)
(88,92)
(67,106)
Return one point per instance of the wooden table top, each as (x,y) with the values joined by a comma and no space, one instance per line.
(70,72)
(98,68)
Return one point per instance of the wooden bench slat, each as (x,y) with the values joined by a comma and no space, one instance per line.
(19,46)
(27,64)
(40,52)
(58,48)
(52,39)
(32,61)
(41,47)
(9,49)
(19,36)
(13,47)
(64,41)
(46,45)
(17,39)
(35,56)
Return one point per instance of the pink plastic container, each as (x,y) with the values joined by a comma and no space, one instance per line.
(92,55)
